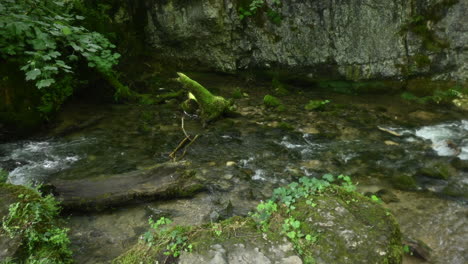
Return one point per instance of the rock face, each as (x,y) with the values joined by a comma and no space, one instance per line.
(353,40)
(159,182)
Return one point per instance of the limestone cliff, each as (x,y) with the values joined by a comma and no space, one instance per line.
(321,39)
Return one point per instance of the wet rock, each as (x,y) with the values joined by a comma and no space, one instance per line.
(349,228)
(312,164)
(387,196)
(456,189)
(437,223)
(310,130)
(162,181)
(423,115)
(438,170)
(460,164)
(390,143)
(404,182)
(418,248)
(461,103)
(231,163)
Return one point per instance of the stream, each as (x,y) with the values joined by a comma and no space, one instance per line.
(244,158)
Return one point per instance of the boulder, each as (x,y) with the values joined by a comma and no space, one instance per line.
(162,181)
(337,227)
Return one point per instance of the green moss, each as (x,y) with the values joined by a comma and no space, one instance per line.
(427,87)
(298,208)
(279,88)
(271,101)
(3,175)
(211,106)
(358,87)
(404,182)
(438,170)
(237,93)
(418,24)
(316,104)
(285,126)
(280,108)
(421,60)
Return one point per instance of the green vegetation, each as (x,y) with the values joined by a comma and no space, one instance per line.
(252,8)
(316,104)
(3,175)
(286,215)
(279,88)
(237,93)
(211,106)
(438,96)
(174,239)
(34,220)
(271,101)
(418,25)
(46,39)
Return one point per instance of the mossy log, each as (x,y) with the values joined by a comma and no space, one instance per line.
(121,91)
(211,106)
(124,93)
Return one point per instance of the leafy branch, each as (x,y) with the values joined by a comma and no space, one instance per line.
(44,36)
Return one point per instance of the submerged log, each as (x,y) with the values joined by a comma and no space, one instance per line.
(162,181)
(211,106)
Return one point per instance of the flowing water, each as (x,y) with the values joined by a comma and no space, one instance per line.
(244,158)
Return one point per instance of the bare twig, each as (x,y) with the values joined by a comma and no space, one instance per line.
(185,150)
(187,141)
(183,129)
(181,144)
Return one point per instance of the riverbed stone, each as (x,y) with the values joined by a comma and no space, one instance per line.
(350,228)
(161,181)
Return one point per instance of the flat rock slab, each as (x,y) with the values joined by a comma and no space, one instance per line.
(163,181)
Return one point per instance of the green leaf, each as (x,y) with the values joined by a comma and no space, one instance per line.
(296,224)
(44,83)
(66,30)
(328,177)
(291,234)
(32,75)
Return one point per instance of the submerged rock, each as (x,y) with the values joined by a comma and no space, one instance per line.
(162,181)
(438,170)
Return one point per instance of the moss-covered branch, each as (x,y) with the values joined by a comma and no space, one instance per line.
(211,106)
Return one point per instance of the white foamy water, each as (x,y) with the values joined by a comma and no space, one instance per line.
(34,161)
(448,139)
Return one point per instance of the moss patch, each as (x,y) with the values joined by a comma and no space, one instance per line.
(322,221)
(271,101)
